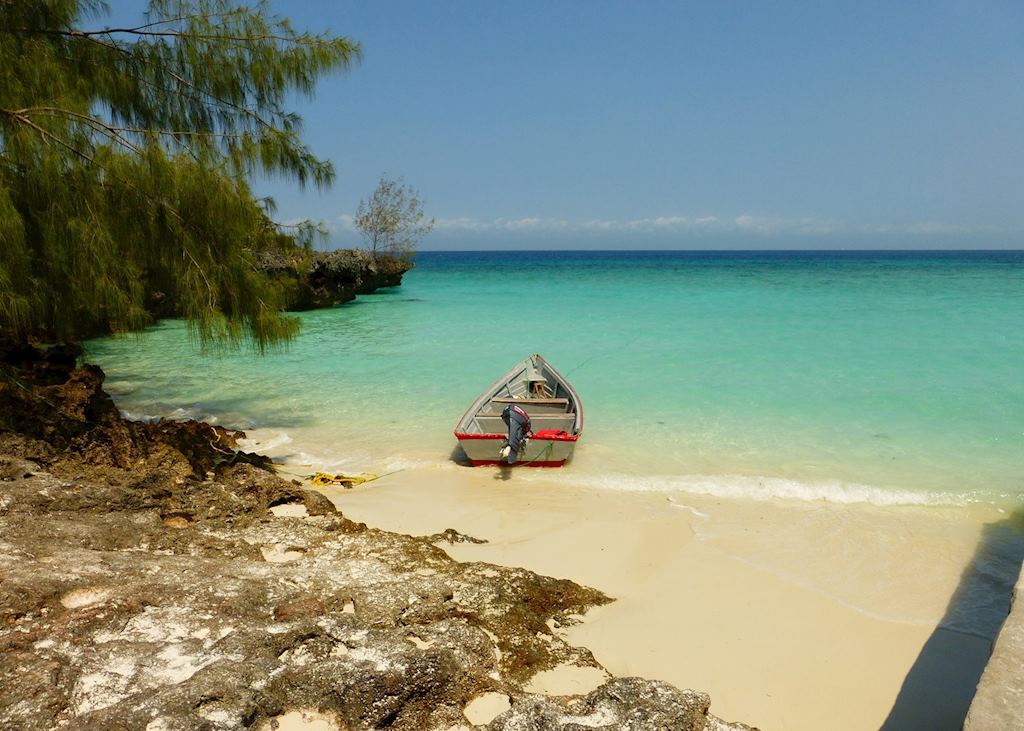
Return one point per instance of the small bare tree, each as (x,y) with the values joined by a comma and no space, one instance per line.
(392,220)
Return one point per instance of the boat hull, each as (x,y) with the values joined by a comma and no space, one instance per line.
(550,401)
(485,449)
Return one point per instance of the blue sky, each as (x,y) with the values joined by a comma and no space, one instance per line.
(676,124)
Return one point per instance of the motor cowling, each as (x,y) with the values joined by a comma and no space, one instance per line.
(518,423)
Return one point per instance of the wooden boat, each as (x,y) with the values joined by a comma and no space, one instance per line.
(556,416)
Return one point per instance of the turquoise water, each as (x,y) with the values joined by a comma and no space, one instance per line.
(887,378)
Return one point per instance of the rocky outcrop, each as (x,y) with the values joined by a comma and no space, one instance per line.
(59,416)
(623,704)
(202,603)
(310,280)
(326,278)
(153,578)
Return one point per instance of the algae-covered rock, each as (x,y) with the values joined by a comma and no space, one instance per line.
(622,704)
(111,617)
(325,278)
(154,578)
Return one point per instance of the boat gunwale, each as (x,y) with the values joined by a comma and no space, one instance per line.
(488,393)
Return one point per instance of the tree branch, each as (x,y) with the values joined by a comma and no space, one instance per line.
(181,80)
(59,111)
(47,136)
(110,32)
(112,132)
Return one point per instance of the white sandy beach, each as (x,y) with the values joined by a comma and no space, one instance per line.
(791,615)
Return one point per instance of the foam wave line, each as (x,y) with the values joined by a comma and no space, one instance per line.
(194,413)
(267,443)
(768,488)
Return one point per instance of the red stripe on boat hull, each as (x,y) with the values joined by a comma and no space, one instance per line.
(567,438)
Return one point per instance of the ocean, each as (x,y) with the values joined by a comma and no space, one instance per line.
(877,377)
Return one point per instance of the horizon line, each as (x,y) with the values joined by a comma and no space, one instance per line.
(728,250)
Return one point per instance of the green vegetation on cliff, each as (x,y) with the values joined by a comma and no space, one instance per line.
(125,155)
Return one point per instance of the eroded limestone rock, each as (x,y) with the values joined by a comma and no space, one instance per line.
(151,578)
(112,618)
(620,704)
(326,278)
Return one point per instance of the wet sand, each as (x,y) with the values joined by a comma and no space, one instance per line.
(791,615)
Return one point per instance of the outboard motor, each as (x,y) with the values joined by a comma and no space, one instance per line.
(518,423)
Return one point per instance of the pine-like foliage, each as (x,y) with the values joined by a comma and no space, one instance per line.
(124,160)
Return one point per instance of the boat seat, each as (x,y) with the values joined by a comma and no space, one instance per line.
(532,406)
(493,424)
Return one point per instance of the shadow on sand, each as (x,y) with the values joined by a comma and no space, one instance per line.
(940,686)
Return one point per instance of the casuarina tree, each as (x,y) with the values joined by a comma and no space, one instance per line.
(125,160)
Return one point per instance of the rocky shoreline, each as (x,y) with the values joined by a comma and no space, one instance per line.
(154,577)
(326,278)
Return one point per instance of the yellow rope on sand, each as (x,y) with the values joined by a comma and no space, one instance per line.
(323,479)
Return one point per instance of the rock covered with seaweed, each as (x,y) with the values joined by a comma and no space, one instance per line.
(308,280)
(152,577)
(326,278)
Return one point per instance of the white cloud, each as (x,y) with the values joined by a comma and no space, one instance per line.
(747,222)
(743,223)
(517,224)
(937,227)
(457,224)
(660,223)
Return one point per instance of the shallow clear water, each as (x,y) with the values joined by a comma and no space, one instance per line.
(849,376)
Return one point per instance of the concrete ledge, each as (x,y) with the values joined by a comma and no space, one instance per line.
(999,701)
